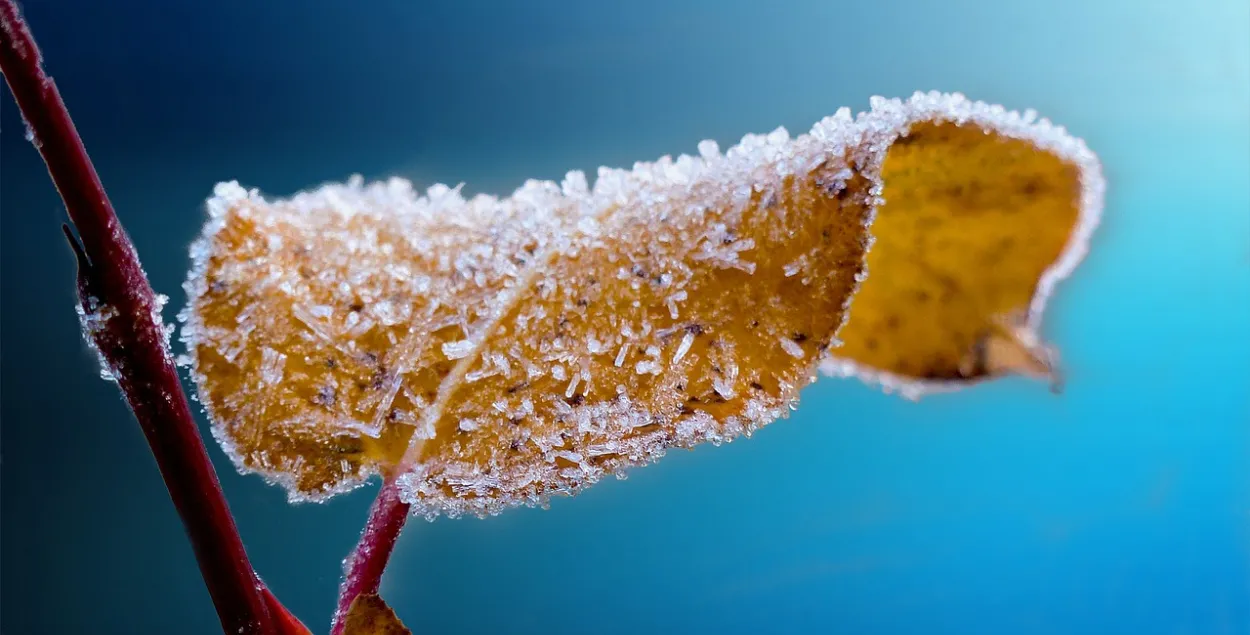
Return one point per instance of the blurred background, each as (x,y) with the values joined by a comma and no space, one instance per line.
(1122,505)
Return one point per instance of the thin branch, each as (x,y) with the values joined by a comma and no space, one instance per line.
(362,570)
(123,321)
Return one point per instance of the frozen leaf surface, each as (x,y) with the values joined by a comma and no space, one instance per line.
(494,352)
(500,351)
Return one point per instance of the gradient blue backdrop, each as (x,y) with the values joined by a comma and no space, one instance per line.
(1122,506)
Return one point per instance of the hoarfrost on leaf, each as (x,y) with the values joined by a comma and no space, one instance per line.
(493,352)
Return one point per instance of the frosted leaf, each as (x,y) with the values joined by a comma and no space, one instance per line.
(510,349)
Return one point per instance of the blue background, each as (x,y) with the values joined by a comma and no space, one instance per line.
(1122,506)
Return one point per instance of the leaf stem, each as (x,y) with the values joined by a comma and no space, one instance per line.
(362,570)
(131,336)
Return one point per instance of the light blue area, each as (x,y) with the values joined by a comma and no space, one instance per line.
(1122,506)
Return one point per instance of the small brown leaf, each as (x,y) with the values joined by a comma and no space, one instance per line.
(370,615)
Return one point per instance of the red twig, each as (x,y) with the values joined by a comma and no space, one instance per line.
(362,570)
(131,338)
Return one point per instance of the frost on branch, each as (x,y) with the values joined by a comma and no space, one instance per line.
(93,316)
(494,352)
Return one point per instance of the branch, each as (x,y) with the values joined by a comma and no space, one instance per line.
(122,319)
(362,570)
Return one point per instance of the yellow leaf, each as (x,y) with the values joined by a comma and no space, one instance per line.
(370,615)
(982,216)
(496,352)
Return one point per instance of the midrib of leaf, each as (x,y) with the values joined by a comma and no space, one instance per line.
(455,378)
